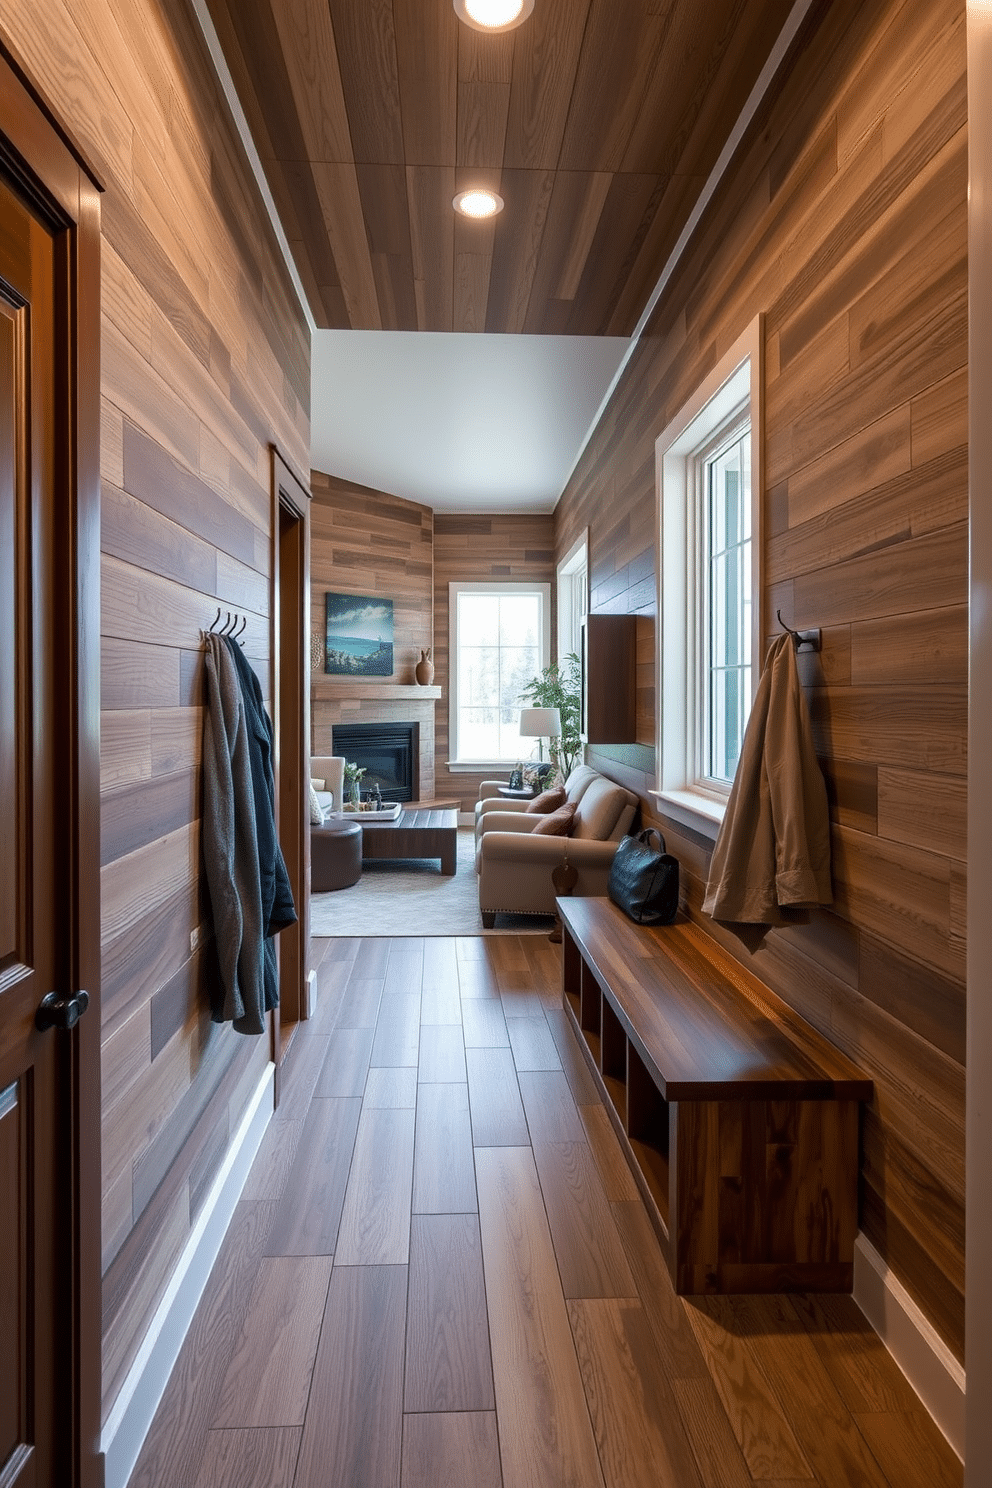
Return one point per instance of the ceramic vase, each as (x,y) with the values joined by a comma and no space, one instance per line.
(424,670)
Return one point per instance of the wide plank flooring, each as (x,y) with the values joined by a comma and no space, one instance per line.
(441,1273)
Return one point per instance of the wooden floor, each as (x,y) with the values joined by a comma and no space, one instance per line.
(440,1273)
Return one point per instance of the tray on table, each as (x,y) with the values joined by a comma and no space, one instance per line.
(390,812)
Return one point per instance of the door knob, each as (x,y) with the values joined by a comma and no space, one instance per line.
(61,1012)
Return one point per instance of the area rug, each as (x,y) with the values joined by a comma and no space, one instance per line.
(413,897)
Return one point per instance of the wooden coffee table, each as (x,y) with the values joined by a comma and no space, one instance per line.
(416,833)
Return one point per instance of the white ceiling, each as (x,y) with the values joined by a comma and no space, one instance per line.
(461,423)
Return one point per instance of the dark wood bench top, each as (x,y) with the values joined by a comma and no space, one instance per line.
(704,1026)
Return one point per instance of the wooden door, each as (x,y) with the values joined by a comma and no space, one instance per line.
(49,927)
(29,933)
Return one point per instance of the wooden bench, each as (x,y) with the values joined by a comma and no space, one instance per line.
(739,1119)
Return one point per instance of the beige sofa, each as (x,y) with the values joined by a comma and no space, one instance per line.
(514,865)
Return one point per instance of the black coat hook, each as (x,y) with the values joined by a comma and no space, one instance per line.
(234,626)
(812,639)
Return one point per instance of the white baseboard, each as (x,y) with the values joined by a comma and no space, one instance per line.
(148,1376)
(920,1352)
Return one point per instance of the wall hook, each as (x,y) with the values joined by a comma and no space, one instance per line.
(234,626)
(811,639)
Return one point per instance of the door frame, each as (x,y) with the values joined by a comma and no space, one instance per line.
(41,159)
(290,651)
(978,1185)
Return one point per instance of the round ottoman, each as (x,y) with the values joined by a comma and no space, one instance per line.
(335,855)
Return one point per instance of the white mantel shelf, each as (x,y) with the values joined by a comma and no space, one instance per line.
(374,691)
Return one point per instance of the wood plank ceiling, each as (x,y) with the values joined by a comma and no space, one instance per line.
(597,121)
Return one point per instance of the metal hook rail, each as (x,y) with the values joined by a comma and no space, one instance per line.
(811,639)
(234,626)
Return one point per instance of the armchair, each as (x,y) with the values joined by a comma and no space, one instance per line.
(330,769)
(514,864)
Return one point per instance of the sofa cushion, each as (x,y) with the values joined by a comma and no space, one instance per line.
(598,809)
(557,823)
(548,800)
(316,810)
(579,781)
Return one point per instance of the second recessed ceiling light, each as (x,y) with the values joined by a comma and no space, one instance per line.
(478,203)
(493,15)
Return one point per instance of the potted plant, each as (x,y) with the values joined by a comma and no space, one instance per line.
(558,686)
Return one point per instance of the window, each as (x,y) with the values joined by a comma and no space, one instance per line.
(723,477)
(499,641)
(573,597)
(708,467)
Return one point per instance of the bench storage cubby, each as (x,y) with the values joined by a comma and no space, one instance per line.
(741,1122)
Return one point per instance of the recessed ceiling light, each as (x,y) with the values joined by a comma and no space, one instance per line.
(478,203)
(493,15)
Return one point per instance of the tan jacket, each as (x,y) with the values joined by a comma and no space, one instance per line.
(773,849)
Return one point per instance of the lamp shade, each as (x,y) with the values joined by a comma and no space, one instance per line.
(540,723)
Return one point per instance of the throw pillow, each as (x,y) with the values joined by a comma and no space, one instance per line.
(558,823)
(548,800)
(316,810)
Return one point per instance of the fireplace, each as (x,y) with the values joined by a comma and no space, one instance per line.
(388,752)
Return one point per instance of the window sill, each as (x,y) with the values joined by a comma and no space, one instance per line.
(479,767)
(689,809)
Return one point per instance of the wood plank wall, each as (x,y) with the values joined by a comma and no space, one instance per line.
(474,549)
(368,542)
(205,361)
(844,221)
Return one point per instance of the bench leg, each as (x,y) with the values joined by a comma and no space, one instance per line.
(449,857)
(489,919)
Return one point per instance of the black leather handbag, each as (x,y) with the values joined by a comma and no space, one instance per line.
(644,881)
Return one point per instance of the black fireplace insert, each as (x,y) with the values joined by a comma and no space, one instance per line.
(388,752)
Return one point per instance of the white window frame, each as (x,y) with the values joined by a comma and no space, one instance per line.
(573,596)
(496,586)
(732,390)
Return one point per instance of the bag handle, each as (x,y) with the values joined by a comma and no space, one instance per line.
(648,833)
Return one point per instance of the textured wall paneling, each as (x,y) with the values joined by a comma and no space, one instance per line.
(205,361)
(844,220)
(369,542)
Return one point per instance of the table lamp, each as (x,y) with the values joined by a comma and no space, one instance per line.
(540,724)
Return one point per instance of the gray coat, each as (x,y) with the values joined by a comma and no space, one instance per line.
(230,846)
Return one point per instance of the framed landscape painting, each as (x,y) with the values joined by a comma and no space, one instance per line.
(359,636)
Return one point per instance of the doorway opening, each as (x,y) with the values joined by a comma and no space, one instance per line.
(291,739)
